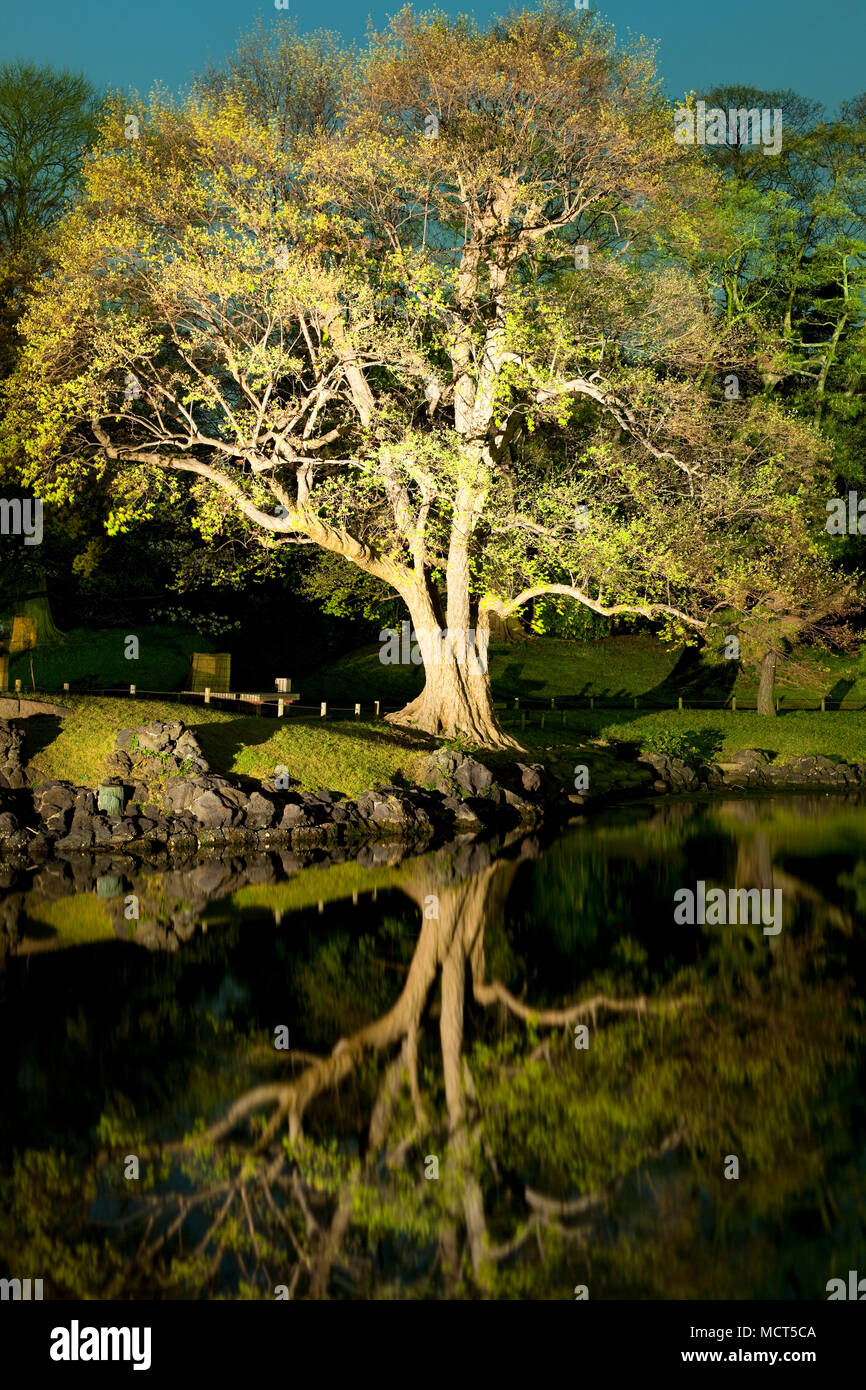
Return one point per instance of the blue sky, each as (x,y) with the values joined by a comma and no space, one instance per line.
(818,49)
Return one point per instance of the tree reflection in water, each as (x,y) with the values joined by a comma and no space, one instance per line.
(557,1166)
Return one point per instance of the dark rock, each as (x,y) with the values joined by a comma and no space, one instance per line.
(11,756)
(80,835)
(672,774)
(260,811)
(439,769)
(54,803)
(531,778)
(211,811)
(101,830)
(153,737)
(293,813)
(119,763)
(387,810)
(179,793)
(473,776)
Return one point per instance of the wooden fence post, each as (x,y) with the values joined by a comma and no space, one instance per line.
(207,694)
(542,719)
(823,705)
(132,690)
(323,712)
(376,709)
(280,708)
(733,704)
(357,711)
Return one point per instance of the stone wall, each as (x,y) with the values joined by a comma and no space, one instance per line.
(159,793)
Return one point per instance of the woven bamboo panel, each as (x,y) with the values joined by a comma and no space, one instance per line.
(210,669)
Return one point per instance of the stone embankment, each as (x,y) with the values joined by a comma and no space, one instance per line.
(159,793)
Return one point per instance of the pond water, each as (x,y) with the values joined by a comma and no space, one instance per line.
(499,1069)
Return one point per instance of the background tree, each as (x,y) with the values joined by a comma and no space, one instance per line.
(783,270)
(48,118)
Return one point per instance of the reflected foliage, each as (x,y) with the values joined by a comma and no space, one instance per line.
(451,1036)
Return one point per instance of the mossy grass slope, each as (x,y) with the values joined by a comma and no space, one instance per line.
(350,756)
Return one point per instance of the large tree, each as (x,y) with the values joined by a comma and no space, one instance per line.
(376,335)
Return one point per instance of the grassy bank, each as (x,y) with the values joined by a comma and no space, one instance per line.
(611,670)
(342,756)
(838,734)
(350,756)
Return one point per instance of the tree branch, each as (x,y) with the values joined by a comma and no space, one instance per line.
(504,607)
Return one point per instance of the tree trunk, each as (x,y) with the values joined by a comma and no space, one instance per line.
(767,686)
(457,700)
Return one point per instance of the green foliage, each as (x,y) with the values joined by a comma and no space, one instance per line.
(563,619)
(693,746)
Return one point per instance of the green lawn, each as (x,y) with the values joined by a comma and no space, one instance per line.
(341,756)
(351,756)
(836,734)
(616,667)
(613,670)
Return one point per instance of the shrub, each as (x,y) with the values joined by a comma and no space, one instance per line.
(692,746)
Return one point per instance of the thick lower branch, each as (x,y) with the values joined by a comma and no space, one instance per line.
(505,607)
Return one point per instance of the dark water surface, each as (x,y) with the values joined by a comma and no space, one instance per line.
(509,1073)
